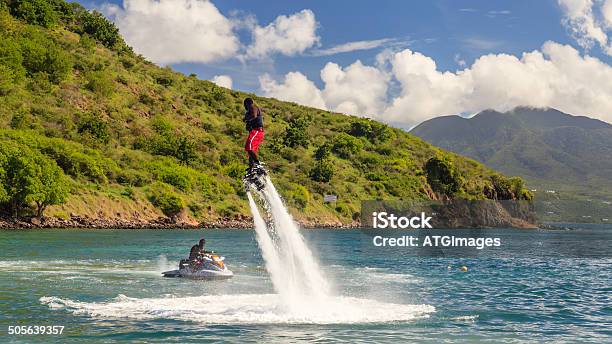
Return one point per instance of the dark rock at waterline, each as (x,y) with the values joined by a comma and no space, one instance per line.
(85,222)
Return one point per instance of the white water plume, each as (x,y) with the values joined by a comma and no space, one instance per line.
(294,271)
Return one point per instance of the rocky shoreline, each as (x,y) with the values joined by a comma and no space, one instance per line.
(82,222)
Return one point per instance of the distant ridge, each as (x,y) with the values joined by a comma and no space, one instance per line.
(547,147)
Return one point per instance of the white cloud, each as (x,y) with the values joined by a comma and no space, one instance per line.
(356,89)
(607,12)
(353,46)
(287,35)
(223,81)
(555,76)
(296,88)
(585,25)
(172,31)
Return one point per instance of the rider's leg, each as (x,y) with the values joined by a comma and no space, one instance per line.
(252,158)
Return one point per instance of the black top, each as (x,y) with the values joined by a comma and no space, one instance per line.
(253,122)
(193,254)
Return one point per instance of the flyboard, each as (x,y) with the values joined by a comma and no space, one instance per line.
(255,178)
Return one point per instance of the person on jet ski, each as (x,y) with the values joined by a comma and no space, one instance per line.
(195,251)
(253,118)
(201,244)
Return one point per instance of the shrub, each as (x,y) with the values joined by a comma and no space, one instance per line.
(102,30)
(173,174)
(18,120)
(323,152)
(300,196)
(234,170)
(234,129)
(40,55)
(96,128)
(345,145)
(375,177)
(323,171)
(163,197)
(510,188)
(11,59)
(170,144)
(100,83)
(375,132)
(218,93)
(442,176)
(133,177)
(343,209)
(35,12)
(87,42)
(7,79)
(185,150)
(295,135)
(74,159)
(164,78)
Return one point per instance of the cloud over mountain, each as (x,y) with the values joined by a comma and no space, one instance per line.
(555,76)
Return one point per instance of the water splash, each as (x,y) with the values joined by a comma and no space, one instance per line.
(295,273)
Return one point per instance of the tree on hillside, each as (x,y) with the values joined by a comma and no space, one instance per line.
(185,150)
(323,170)
(375,132)
(295,135)
(98,27)
(443,177)
(52,187)
(43,56)
(35,12)
(30,178)
(345,146)
(93,126)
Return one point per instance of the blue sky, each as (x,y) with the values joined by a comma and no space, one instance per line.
(454,34)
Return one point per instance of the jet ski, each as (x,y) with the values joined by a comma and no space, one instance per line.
(255,177)
(209,266)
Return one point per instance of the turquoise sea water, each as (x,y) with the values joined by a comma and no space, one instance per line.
(105,286)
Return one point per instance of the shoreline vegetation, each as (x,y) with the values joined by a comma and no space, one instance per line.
(94,135)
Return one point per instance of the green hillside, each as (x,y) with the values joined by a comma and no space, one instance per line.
(551,150)
(92,129)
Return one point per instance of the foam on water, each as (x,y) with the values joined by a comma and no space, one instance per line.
(242,308)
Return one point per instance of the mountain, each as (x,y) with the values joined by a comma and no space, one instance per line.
(548,148)
(92,130)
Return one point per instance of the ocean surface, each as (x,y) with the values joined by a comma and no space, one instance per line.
(106,287)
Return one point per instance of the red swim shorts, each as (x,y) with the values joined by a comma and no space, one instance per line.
(255,138)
